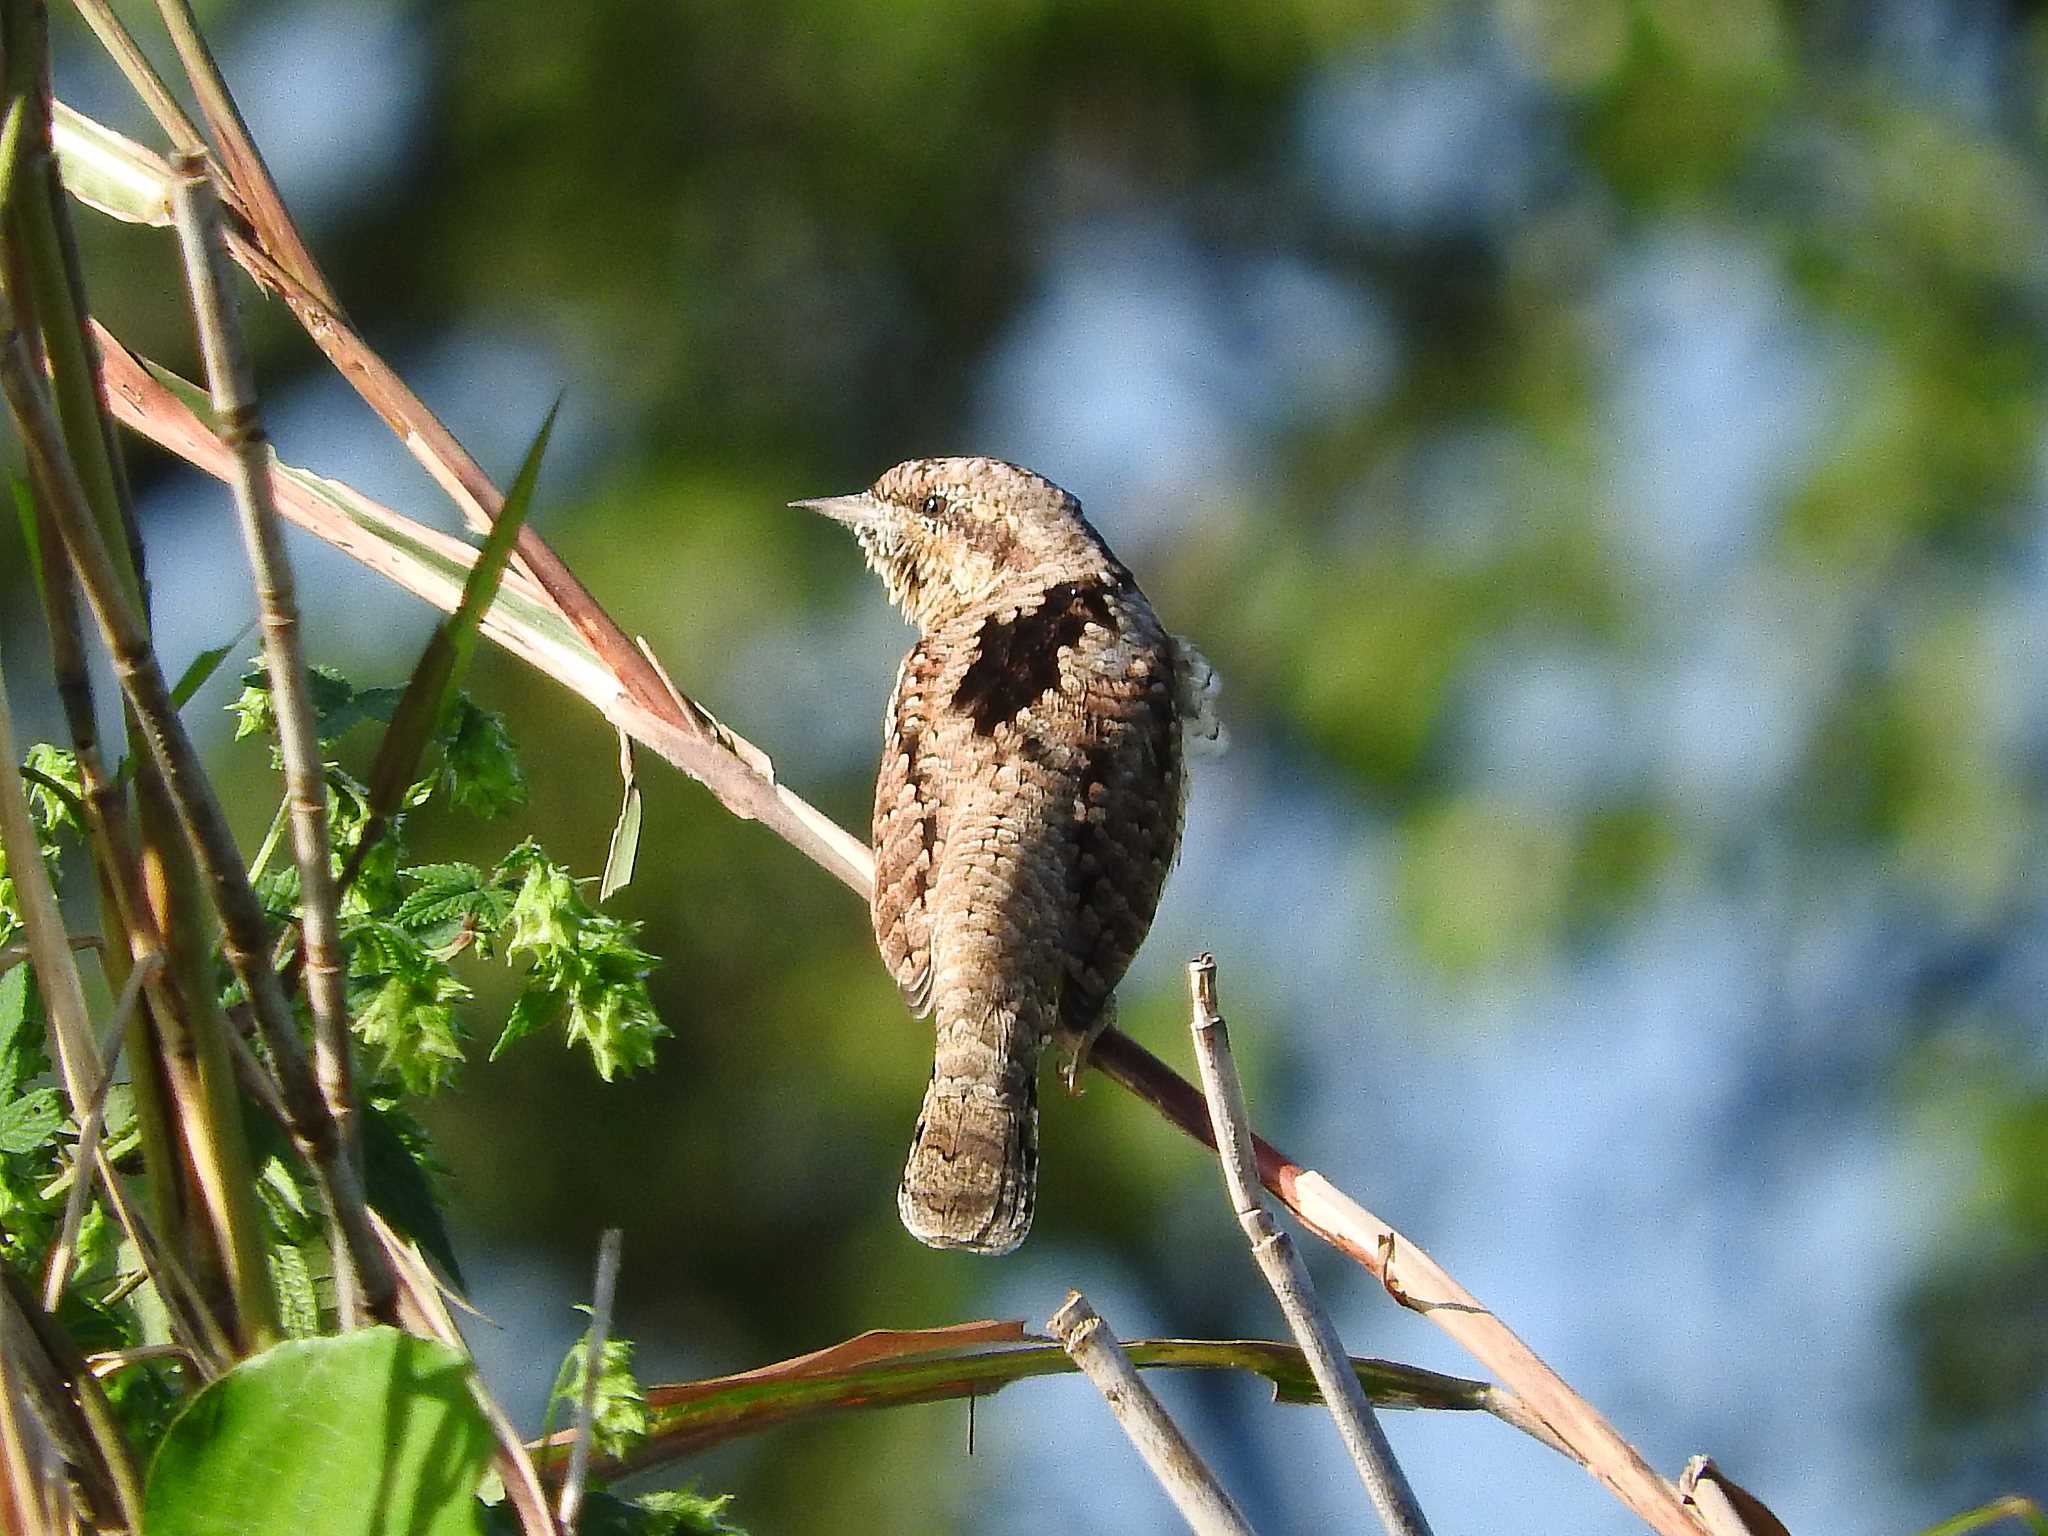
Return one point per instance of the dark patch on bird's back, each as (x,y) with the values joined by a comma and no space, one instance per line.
(1017,660)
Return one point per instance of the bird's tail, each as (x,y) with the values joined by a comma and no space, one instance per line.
(972,1178)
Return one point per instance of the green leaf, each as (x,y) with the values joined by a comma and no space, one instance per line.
(373,1433)
(56,787)
(669,1512)
(13,1007)
(410,1014)
(30,1121)
(398,1166)
(445,892)
(544,914)
(478,762)
(619,1422)
(204,665)
(2011,1507)
(539,1001)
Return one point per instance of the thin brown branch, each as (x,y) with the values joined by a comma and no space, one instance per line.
(142,75)
(254,186)
(1187,1479)
(463,479)
(196,211)
(1385,1483)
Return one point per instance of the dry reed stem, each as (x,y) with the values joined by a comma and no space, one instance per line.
(1287,1277)
(142,75)
(78,1057)
(249,176)
(196,211)
(1187,1479)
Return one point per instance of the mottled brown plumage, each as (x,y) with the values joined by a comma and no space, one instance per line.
(1027,809)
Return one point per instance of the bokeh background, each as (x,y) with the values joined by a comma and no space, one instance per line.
(1601,445)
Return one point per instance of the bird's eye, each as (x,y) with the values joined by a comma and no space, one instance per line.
(933,506)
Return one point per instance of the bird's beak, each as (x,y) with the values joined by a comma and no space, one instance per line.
(862,511)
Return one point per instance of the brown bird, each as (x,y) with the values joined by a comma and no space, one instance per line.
(1028,807)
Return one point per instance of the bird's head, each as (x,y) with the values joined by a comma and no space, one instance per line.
(951,535)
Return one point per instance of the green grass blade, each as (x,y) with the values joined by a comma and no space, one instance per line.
(204,665)
(450,647)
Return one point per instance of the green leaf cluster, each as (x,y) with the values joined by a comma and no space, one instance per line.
(406,925)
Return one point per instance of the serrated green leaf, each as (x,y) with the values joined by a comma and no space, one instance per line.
(668,1512)
(544,915)
(56,787)
(409,1015)
(397,1169)
(539,1002)
(29,1122)
(478,760)
(620,1421)
(373,1433)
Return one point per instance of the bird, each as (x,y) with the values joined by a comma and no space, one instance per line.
(1028,807)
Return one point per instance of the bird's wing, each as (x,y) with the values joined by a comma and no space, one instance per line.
(906,832)
(1127,815)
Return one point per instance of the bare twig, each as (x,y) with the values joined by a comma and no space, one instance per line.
(240,426)
(92,1119)
(243,938)
(602,1294)
(1385,1483)
(1195,1492)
